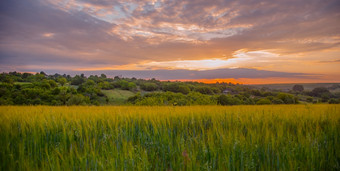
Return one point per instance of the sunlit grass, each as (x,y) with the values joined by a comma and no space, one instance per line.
(281,137)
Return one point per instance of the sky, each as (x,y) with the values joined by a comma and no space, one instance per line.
(244,41)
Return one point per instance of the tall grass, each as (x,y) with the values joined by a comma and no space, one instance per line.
(281,137)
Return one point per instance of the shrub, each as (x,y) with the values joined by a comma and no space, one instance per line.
(287,98)
(228,100)
(78,99)
(263,102)
(149,86)
(277,101)
(334,101)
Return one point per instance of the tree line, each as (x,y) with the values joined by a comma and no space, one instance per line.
(42,89)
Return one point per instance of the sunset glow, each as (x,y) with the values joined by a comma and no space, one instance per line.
(290,41)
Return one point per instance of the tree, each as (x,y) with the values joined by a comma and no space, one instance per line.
(124,84)
(183,89)
(298,88)
(204,90)
(89,83)
(149,86)
(277,101)
(105,85)
(77,80)
(309,99)
(52,83)
(63,95)
(263,101)
(319,91)
(43,73)
(62,81)
(228,100)
(334,101)
(78,99)
(102,76)
(8,80)
(45,84)
(287,98)
(131,86)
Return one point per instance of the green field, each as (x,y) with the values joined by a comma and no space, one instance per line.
(118,96)
(275,137)
(22,83)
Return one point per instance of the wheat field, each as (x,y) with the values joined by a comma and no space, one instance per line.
(273,137)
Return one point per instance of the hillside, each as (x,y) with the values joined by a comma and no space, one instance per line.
(42,89)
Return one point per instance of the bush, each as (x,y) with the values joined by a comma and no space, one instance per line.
(62,81)
(334,101)
(77,80)
(125,85)
(277,101)
(228,100)
(298,88)
(132,86)
(78,99)
(310,99)
(105,85)
(176,88)
(263,102)
(204,90)
(287,98)
(319,91)
(183,89)
(149,86)
(170,98)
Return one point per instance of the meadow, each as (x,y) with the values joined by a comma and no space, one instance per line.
(273,137)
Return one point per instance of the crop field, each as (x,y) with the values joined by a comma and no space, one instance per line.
(274,137)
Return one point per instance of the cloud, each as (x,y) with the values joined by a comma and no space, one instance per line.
(333,61)
(71,34)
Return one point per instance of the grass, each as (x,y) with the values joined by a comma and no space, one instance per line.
(118,96)
(275,137)
(22,83)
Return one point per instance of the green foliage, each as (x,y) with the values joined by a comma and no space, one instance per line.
(204,90)
(287,98)
(52,83)
(30,89)
(277,101)
(125,85)
(131,86)
(228,100)
(183,89)
(62,81)
(319,91)
(264,101)
(170,98)
(118,96)
(176,87)
(77,80)
(78,99)
(149,86)
(334,101)
(105,85)
(310,99)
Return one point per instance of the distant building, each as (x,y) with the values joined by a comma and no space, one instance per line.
(227,91)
